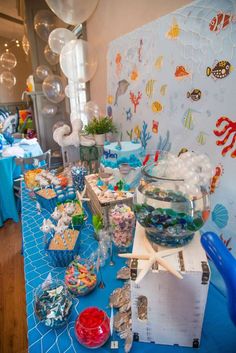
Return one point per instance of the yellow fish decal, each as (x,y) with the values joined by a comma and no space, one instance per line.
(109,99)
(137,131)
(149,88)
(174,30)
(163,90)
(134,75)
(201,138)
(157,107)
(188,120)
(159,63)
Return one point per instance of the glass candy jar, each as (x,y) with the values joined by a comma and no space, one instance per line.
(53,303)
(92,327)
(170,209)
(81,277)
(122,221)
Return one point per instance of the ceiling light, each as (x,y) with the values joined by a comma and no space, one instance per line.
(5,45)
(17,41)
(17,44)
(7,50)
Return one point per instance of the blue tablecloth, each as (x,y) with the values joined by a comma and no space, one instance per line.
(8,172)
(218,334)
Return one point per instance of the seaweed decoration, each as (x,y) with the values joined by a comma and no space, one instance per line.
(164,144)
(135,99)
(145,136)
(130,134)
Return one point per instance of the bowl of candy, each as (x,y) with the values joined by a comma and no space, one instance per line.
(81,277)
(52,303)
(172,201)
(92,327)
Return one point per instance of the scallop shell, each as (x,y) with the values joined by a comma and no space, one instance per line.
(220,216)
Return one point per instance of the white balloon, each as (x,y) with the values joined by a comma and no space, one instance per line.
(78,60)
(44,22)
(73,12)
(8,60)
(53,88)
(51,57)
(72,92)
(25,44)
(43,71)
(91,110)
(7,79)
(49,110)
(58,38)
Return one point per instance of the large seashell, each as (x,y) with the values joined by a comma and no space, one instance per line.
(220,216)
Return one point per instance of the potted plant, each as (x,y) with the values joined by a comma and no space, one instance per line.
(98,127)
(97,222)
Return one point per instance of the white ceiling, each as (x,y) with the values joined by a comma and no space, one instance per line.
(8,28)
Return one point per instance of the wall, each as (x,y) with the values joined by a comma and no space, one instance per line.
(111,20)
(21,71)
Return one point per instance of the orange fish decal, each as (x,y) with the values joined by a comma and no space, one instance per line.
(134,75)
(181,72)
(215,178)
(155,125)
(221,21)
(118,58)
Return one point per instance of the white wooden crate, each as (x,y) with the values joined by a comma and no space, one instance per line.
(175,308)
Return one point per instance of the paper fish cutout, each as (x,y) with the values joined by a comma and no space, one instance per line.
(215,179)
(181,72)
(195,95)
(121,89)
(163,90)
(149,88)
(201,138)
(183,150)
(174,30)
(221,21)
(157,107)
(134,75)
(109,99)
(159,63)
(155,125)
(118,64)
(220,70)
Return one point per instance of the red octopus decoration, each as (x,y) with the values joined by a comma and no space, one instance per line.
(229,128)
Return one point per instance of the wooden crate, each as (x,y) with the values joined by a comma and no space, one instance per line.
(102,208)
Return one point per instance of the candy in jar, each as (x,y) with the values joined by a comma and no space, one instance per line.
(122,220)
(81,277)
(92,327)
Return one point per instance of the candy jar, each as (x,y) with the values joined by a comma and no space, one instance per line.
(81,277)
(92,327)
(52,303)
(172,201)
(122,221)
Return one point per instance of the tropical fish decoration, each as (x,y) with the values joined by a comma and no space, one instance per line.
(221,21)
(181,73)
(182,150)
(134,75)
(149,88)
(195,95)
(155,125)
(157,107)
(159,62)
(220,216)
(201,138)
(174,30)
(121,89)
(220,70)
(109,99)
(188,120)
(163,90)
(216,178)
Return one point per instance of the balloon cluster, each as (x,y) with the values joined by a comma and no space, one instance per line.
(193,169)
(8,62)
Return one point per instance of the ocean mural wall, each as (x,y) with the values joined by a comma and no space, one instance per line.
(171,83)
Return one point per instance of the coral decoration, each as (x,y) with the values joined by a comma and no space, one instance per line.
(145,136)
(228,130)
(226,242)
(130,134)
(135,99)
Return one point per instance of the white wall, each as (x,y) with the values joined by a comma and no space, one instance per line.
(114,18)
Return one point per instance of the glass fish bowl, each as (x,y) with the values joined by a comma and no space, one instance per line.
(168,212)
